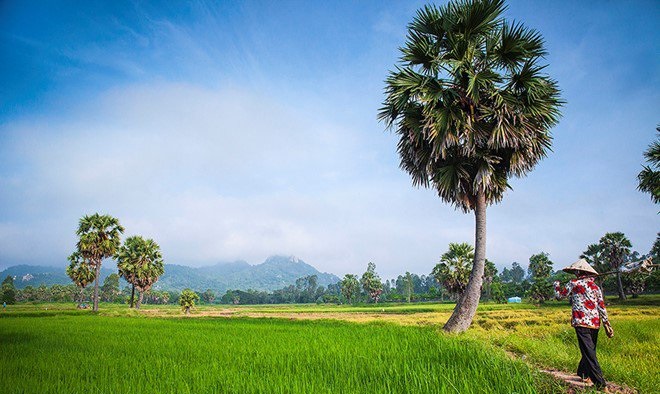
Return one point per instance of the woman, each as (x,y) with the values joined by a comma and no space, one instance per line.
(588,314)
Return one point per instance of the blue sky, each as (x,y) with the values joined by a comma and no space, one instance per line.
(238,130)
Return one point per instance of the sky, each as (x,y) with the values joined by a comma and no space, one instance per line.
(238,130)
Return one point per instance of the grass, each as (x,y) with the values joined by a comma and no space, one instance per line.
(545,338)
(55,353)
(304,348)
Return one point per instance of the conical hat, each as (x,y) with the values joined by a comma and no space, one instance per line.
(581,265)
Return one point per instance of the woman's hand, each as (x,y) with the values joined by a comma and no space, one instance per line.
(609,330)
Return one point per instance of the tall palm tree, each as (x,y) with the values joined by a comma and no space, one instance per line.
(98,239)
(140,262)
(649,177)
(453,271)
(80,273)
(472,108)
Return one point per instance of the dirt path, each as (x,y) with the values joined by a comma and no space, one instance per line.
(576,385)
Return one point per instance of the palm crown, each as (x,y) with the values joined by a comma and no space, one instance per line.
(469,101)
(99,237)
(140,262)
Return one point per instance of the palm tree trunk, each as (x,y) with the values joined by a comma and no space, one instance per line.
(133,296)
(139,302)
(467,304)
(80,301)
(622,294)
(96,286)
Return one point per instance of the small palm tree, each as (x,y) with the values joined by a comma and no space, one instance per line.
(80,273)
(453,271)
(140,263)
(187,300)
(98,239)
(472,108)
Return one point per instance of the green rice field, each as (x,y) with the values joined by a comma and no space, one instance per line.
(54,348)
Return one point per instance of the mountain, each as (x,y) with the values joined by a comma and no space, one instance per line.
(35,275)
(274,273)
(279,271)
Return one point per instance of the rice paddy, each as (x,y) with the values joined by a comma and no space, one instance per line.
(54,348)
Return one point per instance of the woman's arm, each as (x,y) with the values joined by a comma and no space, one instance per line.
(561,292)
(600,304)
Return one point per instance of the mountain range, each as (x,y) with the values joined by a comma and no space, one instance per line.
(274,273)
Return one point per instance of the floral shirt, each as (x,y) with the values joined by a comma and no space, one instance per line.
(587,301)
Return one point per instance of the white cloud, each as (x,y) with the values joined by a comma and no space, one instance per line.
(216,175)
(224,174)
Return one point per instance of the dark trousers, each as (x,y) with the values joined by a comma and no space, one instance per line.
(589,367)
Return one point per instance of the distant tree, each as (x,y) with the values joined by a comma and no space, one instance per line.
(649,177)
(517,273)
(157,297)
(306,288)
(140,263)
(110,288)
(496,292)
(43,293)
(409,286)
(59,293)
(371,282)
(8,291)
(98,239)
(611,252)
(187,300)
(27,294)
(490,272)
(634,283)
(81,273)
(453,271)
(472,109)
(540,269)
(350,287)
(208,296)
(654,253)
(387,288)
(652,283)
(505,275)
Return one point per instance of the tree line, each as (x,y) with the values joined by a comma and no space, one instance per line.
(446,282)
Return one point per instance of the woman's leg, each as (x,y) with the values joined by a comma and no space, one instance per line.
(587,339)
(582,369)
